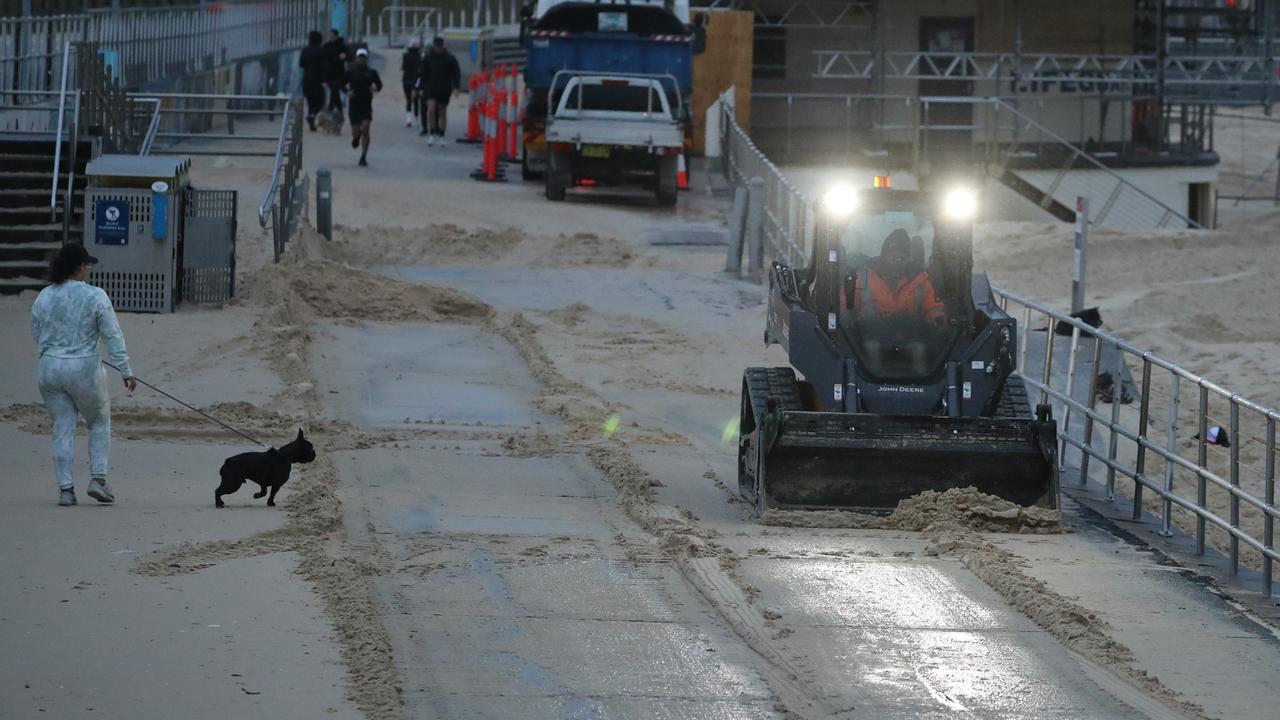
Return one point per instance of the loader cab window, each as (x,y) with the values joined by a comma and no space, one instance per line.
(893,312)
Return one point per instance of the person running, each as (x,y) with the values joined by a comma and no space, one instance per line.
(439,80)
(314,71)
(410,64)
(362,82)
(68,319)
(335,53)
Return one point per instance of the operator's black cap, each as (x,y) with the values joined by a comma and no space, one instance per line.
(75,255)
(438,42)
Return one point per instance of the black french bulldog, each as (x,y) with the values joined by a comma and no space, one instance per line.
(269,469)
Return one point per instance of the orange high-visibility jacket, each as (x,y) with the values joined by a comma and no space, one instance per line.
(872,296)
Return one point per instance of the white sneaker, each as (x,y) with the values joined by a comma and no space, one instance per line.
(408,119)
(431,139)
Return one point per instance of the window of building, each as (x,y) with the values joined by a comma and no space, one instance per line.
(769,51)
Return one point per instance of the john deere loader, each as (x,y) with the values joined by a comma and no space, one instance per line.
(902,367)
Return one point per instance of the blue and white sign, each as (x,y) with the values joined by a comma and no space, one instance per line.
(112,221)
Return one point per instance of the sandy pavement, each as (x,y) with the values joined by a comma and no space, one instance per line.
(524,504)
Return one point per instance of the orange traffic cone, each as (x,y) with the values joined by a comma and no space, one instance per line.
(682,173)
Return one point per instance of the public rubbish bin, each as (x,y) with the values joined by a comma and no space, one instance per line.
(158,240)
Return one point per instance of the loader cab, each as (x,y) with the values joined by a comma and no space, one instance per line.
(891,275)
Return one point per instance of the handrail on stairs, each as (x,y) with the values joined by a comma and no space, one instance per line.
(57,146)
(1078,152)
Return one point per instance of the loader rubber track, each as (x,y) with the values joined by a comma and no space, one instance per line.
(1013,399)
(776,382)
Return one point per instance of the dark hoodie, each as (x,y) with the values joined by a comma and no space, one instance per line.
(313,62)
(409,66)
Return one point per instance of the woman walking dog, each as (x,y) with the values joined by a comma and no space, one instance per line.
(67,320)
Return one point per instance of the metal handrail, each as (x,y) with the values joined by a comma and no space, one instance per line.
(70,191)
(281,153)
(1164,487)
(1002,105)
(57,147)
(149,138)
(409,21)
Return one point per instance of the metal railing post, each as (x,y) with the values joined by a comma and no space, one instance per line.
(1202,459)
(1071,378)
(1171,445)
(1117,389)
(1092,405)
(1269,497)
(1235,483)
(1048,360)
(1144,409)
(755,226)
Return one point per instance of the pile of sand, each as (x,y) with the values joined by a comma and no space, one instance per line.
(271,427)
(586,249)
(337,291)
(963,507)
(432,245)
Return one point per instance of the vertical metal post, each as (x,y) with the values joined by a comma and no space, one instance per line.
(1026,332)
(324,203)
(737,228)
(1079,265)
(1202,461)
(755,226)
(1269,495)
(1171,446)
(1144,408)
(1065,431)
(1117,388)
(1048,360)
(1235,484)
(1091,403)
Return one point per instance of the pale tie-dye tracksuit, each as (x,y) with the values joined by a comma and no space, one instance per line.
(67,321)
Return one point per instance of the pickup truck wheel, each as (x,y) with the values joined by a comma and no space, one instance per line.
(665,190)
(557,177)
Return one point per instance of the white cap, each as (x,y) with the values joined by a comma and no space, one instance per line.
(362,53)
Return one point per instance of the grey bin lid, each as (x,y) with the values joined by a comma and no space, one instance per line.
(158,167)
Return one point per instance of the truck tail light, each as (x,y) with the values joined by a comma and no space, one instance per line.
(561,147)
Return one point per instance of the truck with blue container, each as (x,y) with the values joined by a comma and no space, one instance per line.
(648,38)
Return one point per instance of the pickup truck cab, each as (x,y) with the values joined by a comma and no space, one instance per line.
(615,130)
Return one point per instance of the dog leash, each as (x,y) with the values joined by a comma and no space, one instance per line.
(193,409)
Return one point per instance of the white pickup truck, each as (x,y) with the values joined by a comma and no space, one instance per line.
(614,130)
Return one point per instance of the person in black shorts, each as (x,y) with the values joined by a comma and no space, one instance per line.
(410,64)
(362,82)
(314,66)
(439,80)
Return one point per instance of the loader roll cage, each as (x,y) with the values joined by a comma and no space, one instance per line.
(926,288)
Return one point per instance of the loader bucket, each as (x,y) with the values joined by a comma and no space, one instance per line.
(871,462)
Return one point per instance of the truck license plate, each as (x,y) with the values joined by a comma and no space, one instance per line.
(595,151)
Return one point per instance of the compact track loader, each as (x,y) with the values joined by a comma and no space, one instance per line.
(905,367)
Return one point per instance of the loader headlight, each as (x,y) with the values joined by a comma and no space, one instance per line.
(960,204)
(840,200)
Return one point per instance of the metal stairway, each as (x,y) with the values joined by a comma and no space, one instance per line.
(1010,179)
(29,229)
